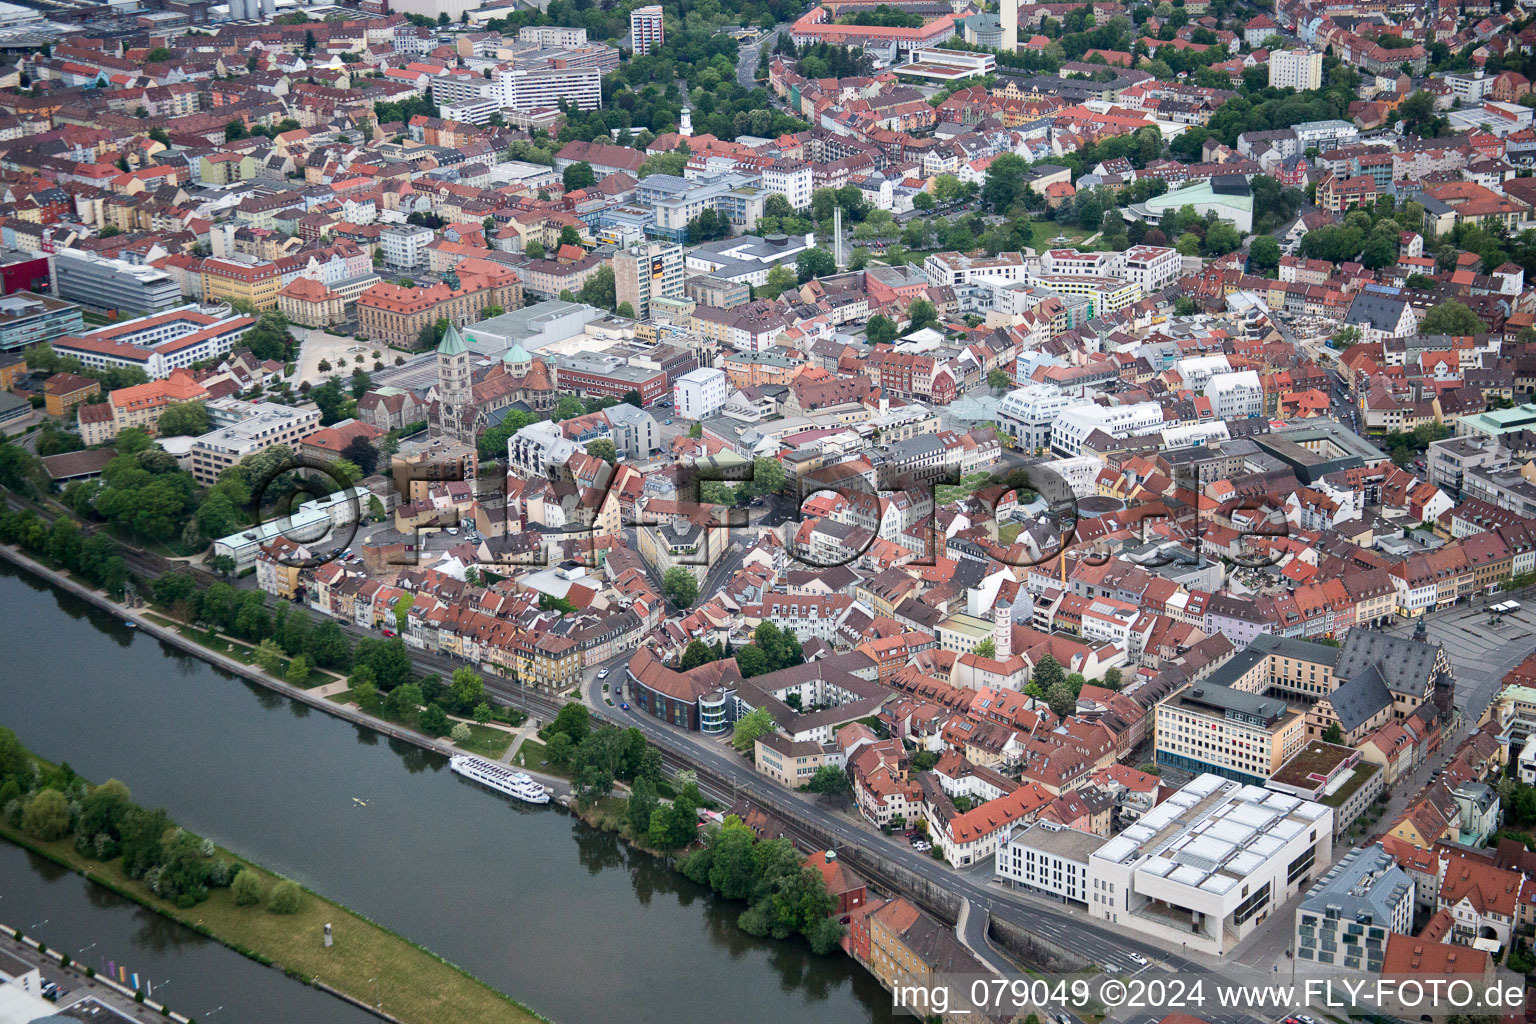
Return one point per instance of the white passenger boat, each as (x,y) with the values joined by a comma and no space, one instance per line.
(516,784)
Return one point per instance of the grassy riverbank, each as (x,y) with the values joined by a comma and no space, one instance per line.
(415,985)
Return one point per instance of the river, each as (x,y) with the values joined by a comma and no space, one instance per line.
(562,917)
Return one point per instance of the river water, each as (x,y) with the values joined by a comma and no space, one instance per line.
(562,917)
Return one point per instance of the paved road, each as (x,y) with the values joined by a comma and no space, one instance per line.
(86,998)
(748,56)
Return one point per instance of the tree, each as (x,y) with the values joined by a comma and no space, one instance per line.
(921,313)
(604,449)
(286,898)
(1451,317)
(183,419)
(433,721)
(403,700)
(247,888)
(1047,673)
(234,130)
(1061,699)
(578,175)
(642,805)
(1004,182)
(755,723)
(679,586)
(573,721)
(1264,254)
(767,476)
(986,649)
(362,454)
(626,310)
(780,278)
(269,656)
(46,816)
(468,689)
(830,781)
(559,749)
(159,55)
(813,263)
(104,809)
(599,289)
(1333,734)
(998,380)
(880,330)
(695,654)
(298,671)
(1422,282)
(534,250)
(751,661)
(923,201)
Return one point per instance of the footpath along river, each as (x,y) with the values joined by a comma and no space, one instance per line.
(560,916)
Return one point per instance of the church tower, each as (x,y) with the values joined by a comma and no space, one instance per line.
(453,380)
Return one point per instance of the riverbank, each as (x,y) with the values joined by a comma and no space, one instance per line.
(368,965)
(150,622)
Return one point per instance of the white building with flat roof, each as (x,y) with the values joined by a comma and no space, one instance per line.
(1235,395)
(1300,69)
(1047,858)
(700,394)
(1074,425)
(262,425)
(1209,865)
(1028,413)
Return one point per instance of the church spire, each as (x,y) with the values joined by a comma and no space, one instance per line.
(452,343)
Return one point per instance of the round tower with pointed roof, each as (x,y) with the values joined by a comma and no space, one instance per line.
(453,380)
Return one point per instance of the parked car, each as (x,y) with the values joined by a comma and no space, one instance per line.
(389,632)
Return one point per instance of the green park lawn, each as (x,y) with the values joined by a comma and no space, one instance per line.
(241,652)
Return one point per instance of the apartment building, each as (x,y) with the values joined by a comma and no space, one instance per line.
(1049,859)
(1300,69)
(405,246)
(542,88)
(700,394)
(645,272)
(646,32)
(242,278)
(139,406)
(1346,917)
(791,179)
